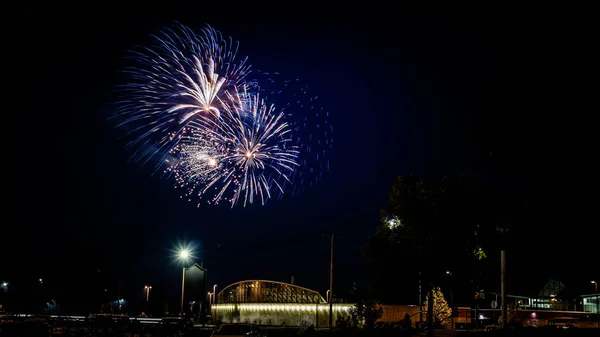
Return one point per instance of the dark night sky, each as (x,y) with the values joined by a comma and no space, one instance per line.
(410,92)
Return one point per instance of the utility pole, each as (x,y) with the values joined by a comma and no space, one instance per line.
(503,230)
(420,302)
(503,287)
(331,285)
(430,331)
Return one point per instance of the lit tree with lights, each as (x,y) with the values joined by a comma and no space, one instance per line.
(441,310)
(369,312)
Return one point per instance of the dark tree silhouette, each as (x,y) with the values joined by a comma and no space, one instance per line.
(428,227)
(368,311)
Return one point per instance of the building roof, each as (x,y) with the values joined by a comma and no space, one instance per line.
(265,291)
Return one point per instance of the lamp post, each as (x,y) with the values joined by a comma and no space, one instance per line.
(214,299)
(183,255)
(597,301)
(449,274)
(331,285)
(147,288)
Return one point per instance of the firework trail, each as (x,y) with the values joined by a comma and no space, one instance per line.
(246,153)
(309,120)
(181,77)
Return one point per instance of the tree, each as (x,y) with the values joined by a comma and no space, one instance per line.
(442,312)
(428,227)
(370,312)
(403,240)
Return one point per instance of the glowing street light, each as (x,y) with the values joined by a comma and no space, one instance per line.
(147,289)
(183,255)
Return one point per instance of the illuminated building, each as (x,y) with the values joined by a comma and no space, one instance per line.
(590,303)
(274,303)
(553,305)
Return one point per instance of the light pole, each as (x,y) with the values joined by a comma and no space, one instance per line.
(214,299)
(147,288)
(331,285)
(183,255)
(597,301)
(449,274)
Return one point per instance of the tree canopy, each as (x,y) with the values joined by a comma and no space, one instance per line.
(430,226)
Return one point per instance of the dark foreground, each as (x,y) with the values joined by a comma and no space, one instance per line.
(535,333)
(44,329)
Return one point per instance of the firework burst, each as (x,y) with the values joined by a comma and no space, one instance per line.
(188,103)
(181,77)
(244,154)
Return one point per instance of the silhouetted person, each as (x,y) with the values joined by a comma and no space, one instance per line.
(310,331)
(406,323)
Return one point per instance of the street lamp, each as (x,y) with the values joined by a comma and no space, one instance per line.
(183,255)
(147,288)
(449,274)
(597,300)
(214,293)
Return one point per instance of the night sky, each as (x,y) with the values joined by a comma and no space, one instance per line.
(410,92)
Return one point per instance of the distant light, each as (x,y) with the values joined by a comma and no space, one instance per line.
(4,284)
(593,282)
(394,222)
(184,254)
